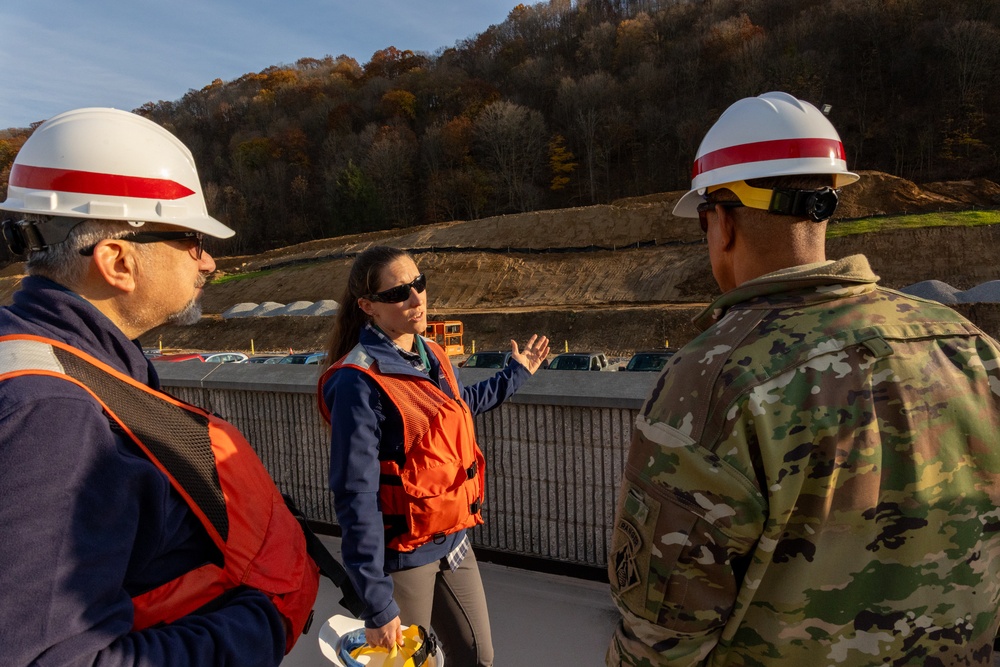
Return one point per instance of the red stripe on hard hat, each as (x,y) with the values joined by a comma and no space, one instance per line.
(90,182)
(762,151)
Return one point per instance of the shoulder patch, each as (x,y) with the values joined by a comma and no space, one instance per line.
(624,560)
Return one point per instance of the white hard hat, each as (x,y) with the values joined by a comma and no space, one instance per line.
(774,134)
(342,642)
(109,164)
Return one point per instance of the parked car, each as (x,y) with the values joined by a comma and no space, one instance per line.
(302,358)
(225,357)
(264,359)
(494,359)
(178,357)
(579,361)
(649,360)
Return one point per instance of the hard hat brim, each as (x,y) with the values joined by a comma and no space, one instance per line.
(687,206)
(207,225)
(339,625)
(204,224)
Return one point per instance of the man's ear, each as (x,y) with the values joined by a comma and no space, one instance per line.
(115,261)
(727,227)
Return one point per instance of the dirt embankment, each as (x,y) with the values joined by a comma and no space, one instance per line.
(616,277)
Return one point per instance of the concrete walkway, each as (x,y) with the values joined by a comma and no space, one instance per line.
(537,619)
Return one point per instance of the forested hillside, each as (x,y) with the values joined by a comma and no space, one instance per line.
(575,103)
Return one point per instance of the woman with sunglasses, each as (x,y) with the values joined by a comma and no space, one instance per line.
(405,469)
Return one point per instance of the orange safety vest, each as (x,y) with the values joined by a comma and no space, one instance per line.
(439,488)
(212,466)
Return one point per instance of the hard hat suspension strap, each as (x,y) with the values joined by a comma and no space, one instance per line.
(24,236)
(816,205)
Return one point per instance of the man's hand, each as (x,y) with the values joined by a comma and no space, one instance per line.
(535,352)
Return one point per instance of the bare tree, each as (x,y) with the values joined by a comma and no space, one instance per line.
(390,165)
(973,48)
(588,107)
(513,141)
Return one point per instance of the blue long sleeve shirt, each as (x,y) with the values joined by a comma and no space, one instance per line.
(87,522)
(367,428)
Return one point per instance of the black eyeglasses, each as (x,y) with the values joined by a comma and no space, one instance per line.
(705,207)
(197,249)
(400,293)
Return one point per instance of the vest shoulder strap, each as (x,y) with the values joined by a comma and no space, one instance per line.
(172,434)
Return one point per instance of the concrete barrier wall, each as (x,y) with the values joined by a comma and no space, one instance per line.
(554,452)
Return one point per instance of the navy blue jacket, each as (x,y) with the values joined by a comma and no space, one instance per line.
(86,521)
(367,428)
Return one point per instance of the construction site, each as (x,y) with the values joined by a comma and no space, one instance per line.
(618,277)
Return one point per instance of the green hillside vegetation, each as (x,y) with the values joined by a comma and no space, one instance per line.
(925,220)
(576,103)
(232,277)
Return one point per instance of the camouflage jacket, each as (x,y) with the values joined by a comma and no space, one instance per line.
(814,481)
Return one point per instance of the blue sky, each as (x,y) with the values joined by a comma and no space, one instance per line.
(63,54)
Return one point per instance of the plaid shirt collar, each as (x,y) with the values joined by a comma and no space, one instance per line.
(412,358)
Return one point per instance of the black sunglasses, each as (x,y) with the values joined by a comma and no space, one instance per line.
(705,207)
(400,293)
(154,237)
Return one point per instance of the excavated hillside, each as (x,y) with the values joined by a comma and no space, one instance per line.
(616,277)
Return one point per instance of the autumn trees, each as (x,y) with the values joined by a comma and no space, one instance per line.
(578,102)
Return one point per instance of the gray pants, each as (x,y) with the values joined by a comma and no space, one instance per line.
(453,603)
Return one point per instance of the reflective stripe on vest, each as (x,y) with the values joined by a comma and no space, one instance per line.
(440,486)
(215,471)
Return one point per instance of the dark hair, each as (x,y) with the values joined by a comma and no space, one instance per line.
(362,281)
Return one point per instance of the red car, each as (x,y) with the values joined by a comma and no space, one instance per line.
(178,357)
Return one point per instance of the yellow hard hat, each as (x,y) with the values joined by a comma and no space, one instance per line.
(345,645)
(418,648)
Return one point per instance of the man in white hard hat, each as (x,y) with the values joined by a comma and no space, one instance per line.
(815,479)
(136,529)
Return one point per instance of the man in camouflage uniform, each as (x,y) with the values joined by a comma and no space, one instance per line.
(815,478)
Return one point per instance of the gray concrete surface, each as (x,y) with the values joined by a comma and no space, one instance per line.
(567,388)
(537,619)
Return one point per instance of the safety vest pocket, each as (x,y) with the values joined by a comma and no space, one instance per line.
(279,570)
(432,519)
(430,482)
